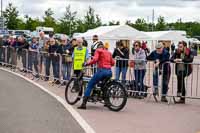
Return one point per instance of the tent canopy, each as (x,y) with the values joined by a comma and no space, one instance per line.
(173,35)
(118,32)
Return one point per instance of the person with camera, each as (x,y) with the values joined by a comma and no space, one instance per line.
(182,57)
(160,56)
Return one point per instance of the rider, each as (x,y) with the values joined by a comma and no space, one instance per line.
(105,61)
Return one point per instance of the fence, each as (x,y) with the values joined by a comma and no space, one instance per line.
(139,76)
(183,82)
(136,75)
(48,66)
(163,79)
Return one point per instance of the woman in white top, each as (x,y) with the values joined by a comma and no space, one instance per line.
(139,68)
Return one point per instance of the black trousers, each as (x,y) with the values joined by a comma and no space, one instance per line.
(181,83)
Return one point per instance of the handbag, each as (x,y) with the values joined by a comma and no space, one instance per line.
(68,58)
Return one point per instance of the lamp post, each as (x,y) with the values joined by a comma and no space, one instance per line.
(2,19)
(1,8)
(153,17)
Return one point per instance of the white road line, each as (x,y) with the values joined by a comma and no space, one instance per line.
(87,128)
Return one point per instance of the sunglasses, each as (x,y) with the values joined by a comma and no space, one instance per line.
(136,45)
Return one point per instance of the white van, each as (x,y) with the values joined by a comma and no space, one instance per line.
(46,30)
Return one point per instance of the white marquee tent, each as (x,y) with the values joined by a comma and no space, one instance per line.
(125,32)
(113,34)
(173,35)
(118,32)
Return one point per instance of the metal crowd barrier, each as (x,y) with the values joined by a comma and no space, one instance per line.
(165,79)
(191,82)
(137,79)
(41,64)
(52,66)
(3,53)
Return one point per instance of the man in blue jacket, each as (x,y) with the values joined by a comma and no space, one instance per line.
(160,56)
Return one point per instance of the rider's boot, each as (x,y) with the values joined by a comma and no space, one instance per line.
(83,105)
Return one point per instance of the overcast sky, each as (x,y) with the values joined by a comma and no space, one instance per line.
(172,10)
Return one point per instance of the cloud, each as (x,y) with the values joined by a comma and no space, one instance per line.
(114,9)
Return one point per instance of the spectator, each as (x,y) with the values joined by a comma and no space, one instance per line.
(139,69)
(8,54)
(95,44)
(85,43)
(1,50)
(145,48)
(13,52)
(53,58)
(80,55)
(121,53)
(160,56)
(33,56)
(46,57)
(42,41)
(67,59)
(181,57)
(172,48)
(51,34)
(23,47)
(166,47)
(193,50)
(73,43)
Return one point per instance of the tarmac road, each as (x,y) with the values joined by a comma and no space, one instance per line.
(24,108)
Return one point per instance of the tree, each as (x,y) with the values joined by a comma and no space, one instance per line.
(91,20)
(67,23)
(11,16)
(49,20)
(80,26)
(113,23)
(31,23)
(140,24)
(161,25)
(98,20)
(21,25)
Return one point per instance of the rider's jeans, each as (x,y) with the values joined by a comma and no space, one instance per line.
(98,76)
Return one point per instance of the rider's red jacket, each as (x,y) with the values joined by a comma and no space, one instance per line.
(103,58)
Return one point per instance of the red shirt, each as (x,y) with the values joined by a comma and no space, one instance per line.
(103,58)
